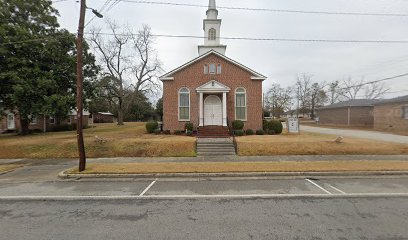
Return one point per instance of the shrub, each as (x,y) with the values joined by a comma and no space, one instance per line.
(249,132)
(237,125)
(276,126)
(189,133)
(265,125)
(151,126)
(239,133)
(157,131)
(271,132)
(167,132)
(179,132)
(189,126)
(62,127)
(260,132)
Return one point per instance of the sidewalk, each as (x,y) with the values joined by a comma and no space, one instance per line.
(372,135)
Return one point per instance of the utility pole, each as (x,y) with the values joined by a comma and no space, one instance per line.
(80,78)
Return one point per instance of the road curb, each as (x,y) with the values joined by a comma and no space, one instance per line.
(65,175)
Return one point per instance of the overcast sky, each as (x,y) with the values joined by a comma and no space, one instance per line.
(281,62)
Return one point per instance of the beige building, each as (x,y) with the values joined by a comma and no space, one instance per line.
(356,112)
(392,115)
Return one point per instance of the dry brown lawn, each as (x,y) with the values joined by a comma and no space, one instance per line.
(8,167)
(313,143)
(239,167)
(105,140)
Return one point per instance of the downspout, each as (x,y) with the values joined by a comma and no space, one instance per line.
(348,117)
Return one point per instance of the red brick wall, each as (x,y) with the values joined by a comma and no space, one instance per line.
(389,117)
(193,76)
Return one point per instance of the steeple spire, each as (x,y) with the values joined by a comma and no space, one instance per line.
(212,5)
(212,28)
(212,12)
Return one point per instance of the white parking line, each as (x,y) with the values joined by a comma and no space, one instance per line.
(148,187)
(338,190)
(317,185)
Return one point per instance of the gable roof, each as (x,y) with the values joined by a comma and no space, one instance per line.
(352,103)
(256,75)
(401,99)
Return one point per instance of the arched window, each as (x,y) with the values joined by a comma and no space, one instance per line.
(184,104)
(212,35)
(240,104)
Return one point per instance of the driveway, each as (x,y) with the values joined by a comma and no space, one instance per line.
(386,137)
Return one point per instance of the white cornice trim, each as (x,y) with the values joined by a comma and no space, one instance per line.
(256,75)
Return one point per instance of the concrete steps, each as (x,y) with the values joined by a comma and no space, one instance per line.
(215,147)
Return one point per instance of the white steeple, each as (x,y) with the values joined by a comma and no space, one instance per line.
(212,27)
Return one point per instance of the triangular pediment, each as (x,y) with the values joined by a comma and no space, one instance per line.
(213,86)
(255,75)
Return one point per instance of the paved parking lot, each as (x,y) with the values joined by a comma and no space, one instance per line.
(217,187)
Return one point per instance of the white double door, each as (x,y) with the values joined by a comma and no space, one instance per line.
(212,111)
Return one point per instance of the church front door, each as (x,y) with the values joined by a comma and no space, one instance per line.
(212,111)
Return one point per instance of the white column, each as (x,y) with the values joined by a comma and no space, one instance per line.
(201,120)
(224,109)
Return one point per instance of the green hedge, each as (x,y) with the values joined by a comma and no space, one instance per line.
(249,132)
(238,125)
(189,126)
(260,132)
(274,125)
(239,133)
(151,126)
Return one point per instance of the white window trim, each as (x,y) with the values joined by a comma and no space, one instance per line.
(246,104)
(51,118)
(33,122)
(210,37)
(219,68)
(215,68)
(189,105)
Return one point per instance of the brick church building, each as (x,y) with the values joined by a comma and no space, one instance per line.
(212,89)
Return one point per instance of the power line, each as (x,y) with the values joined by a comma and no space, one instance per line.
(243,38)
(372,14)
(274,39)
(376,81)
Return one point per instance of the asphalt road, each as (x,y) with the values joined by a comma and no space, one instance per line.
(34,204)
(254,218)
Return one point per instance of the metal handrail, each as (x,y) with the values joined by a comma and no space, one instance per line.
(232,132)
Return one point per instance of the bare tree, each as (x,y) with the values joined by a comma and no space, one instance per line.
(146,66)
(318,97)
(303,90)
(375,90)
(130,63)
(334,92)
(278,99)
(115,63)
(353,89)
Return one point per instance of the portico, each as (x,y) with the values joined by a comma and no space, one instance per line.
(212,108)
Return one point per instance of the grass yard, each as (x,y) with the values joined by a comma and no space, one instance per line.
(240,167)
(104,140)
(313,143)
(8,167)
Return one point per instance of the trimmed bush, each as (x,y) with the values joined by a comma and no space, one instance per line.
(179,132)
(276,126)
(249,132)
(167,132)
(271,132)
(189,133)
(260,132)
(151,126)
(61,128)
(189,126)
(238,125)
(239,133)
(157,131)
